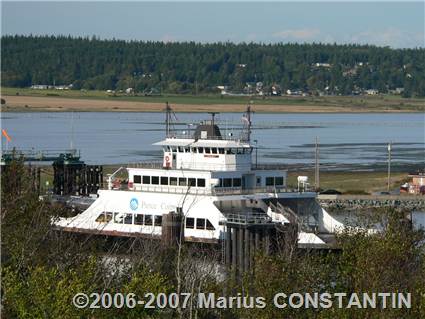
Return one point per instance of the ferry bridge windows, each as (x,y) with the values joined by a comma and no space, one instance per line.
(274,181)
(278,181)
(200,150)
(180,149)
(164,180)
(146,179)
(269,181)
(173,181)
(137,179)
(221,150)
(201,182)
(237,182)
(192,182)
(187,149)
(214,150)
(182,181)
(227,182)
(155,180)
(207,150)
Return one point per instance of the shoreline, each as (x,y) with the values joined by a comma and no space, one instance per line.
(25,103)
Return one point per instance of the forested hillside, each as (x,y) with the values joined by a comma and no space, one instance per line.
(90,63)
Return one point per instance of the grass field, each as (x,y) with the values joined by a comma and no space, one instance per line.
(352,182)
(18,99)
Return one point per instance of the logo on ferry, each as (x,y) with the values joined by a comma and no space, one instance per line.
(134,203)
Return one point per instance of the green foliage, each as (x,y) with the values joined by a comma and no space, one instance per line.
(42,269)
(391,261)
(191,67)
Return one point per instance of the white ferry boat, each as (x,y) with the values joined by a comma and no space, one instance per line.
(209,178)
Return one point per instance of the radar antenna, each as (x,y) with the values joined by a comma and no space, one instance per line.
(212,121)
(168,111)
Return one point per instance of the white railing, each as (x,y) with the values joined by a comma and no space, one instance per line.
(216,191)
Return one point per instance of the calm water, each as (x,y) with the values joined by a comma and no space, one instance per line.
(112,138)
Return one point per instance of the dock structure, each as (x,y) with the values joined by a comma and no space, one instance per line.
(71,176)
(246,235)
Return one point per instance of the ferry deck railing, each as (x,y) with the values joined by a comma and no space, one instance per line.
(159,165)
(215,191)
(246,218)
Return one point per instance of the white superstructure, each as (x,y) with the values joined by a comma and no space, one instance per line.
(207,177)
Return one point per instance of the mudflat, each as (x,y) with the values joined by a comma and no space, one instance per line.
(20,103)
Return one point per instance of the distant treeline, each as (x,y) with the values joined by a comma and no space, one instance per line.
(189,67)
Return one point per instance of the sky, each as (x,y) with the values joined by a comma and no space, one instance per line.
(395,24)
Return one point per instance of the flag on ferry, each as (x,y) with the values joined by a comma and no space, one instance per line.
(6,135)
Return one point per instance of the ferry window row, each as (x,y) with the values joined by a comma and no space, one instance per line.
(274,181)
(208,150)
(165,180)
(230,182)
(199,223)
(122,218)
(150,220)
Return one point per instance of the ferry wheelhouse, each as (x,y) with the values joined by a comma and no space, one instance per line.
(209,178)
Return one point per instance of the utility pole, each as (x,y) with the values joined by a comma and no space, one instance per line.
(389,166)
(317,171)
(256,153)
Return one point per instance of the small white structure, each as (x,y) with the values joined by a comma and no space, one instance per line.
(303,182)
